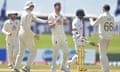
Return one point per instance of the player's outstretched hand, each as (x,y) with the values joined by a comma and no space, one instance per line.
(91,18)
(51,25)
(93,44)
(37,37)
(9,34)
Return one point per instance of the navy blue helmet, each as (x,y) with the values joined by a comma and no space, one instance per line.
(80,12)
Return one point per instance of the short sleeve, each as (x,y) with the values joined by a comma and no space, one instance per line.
(74,25)
(50,18)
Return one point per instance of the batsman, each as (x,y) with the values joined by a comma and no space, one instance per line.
(78,31)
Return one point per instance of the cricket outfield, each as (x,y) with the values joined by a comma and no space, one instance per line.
(45,43)
(46,68)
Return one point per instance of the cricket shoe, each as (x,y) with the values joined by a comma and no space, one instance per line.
(26,69)
(65,69)
(53,70)
(15,70)
(10,66)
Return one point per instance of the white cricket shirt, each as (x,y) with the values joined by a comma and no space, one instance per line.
(11,27)
(59,27)
(105,23)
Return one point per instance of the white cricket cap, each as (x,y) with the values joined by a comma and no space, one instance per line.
(28,4)
(12,13)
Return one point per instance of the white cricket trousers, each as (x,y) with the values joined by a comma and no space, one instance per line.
(26,40)
(60,42)
(104,43)
(12,49)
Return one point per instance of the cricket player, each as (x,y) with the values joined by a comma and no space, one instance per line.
(105,23)
(56,23)
(26,37)
(78,35)
(10,29)
(77,29)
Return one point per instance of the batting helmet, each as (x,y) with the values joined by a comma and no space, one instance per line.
(80,12)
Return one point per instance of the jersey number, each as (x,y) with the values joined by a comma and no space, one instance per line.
(108,26)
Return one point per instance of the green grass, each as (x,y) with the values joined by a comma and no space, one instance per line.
(47,68)
(45,43)
(114,46)
(2,41)
(98,67)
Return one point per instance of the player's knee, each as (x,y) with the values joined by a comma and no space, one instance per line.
(20,54)
(102,55)
(102,58)
(66,53)
(55,54)
(33,50)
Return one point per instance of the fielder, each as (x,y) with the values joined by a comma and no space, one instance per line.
(78,37)
(10,29)
(59,41)
(26,37)
(105,23)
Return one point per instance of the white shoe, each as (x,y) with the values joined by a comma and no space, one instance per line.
(66,69)
(53,70)
(15,70)
(26,69)
(10,66)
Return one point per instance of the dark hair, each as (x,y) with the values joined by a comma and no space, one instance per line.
(106,7)
(57,3)
(80,12)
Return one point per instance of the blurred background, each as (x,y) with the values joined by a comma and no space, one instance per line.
(43,8)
